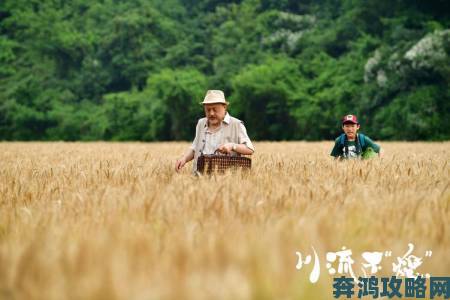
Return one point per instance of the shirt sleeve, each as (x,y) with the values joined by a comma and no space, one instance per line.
(197,133)
(243,137)
(370,143)
(336,151)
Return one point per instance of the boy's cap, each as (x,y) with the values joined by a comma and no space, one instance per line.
(350,119)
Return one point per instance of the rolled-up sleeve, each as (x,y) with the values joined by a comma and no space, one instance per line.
(243,137)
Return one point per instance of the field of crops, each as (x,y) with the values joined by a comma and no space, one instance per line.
(114,221)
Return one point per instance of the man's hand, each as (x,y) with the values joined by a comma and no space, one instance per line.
(226,148)
(188,156)
(180,164)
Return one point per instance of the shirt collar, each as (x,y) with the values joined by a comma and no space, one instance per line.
(227,118)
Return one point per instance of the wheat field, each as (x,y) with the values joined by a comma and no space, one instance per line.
(114,221)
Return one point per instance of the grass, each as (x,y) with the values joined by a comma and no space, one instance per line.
(114,221)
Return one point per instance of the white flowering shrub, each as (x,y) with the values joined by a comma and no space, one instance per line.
(371,65)
(286,37)
(429,51)
(289,29)
(297,20)
(381,78)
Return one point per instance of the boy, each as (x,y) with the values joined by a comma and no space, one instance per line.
(351,144)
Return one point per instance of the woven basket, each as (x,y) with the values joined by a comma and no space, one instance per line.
(219,163)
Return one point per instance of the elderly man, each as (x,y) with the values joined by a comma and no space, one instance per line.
(218,131)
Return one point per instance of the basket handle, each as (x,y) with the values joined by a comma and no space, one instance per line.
(217,152)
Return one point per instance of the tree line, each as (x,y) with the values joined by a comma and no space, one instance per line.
(137,69)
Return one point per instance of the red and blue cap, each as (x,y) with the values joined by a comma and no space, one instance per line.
(350,119)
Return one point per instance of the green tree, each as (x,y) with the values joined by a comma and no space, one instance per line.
(264,96)
(176,94)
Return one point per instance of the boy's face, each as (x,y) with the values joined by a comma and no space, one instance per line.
(350,129)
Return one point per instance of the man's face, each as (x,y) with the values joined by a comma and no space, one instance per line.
(350,129)
(215,113)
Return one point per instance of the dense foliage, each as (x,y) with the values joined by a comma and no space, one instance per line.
(136,70)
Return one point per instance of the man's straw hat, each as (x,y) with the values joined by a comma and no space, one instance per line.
(214,96)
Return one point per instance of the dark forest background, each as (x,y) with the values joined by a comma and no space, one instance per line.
(137,70)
